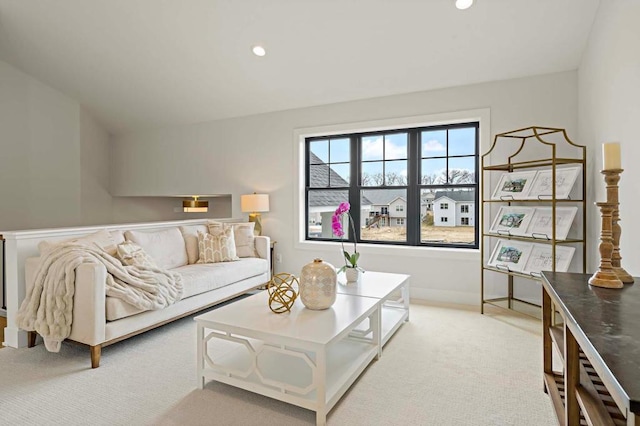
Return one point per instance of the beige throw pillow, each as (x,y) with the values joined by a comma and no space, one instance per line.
(243,234)
(217,248)
(132,254)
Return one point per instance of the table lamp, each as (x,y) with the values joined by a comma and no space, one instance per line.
(254,204)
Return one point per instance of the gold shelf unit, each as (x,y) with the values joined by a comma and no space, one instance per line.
(518,139)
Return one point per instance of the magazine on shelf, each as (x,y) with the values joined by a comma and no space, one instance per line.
(512,220)
(510,255)
(542,188)
(540,225)
(514,185)
(541,259)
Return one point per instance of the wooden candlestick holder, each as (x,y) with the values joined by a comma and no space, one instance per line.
(611,178)
(605,276)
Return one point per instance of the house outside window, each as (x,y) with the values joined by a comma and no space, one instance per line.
(397,174)
(464,221)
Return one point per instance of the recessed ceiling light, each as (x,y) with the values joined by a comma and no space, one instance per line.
(258,50)
(463,4)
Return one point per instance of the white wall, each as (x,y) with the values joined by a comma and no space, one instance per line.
(94,165)
(256,153)
(609,110)
(39,153)
(51,173)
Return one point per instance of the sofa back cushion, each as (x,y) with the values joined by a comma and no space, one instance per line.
(190,235)
(166,247)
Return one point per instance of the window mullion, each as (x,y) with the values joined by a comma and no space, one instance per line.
(354,187)
(413,197)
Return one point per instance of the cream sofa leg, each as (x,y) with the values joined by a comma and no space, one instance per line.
(95,356)
(31,338)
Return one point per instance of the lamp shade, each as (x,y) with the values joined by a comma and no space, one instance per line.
(254,203)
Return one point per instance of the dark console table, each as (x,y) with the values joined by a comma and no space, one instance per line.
(598,339)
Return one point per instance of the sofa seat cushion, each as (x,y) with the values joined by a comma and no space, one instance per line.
(197,279)
(118,308)
(203,277)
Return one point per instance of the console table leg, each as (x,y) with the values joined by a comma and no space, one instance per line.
(547,350)
(571,378)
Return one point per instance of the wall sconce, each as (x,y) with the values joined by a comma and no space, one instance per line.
(195,205)
(254,204)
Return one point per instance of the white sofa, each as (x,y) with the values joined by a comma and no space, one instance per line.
(99,320)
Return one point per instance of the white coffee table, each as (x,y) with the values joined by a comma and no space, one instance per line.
(393,292)
(306,358)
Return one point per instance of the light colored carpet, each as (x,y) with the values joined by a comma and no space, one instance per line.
(447,366)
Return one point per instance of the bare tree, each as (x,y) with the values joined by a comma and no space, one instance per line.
(455,176)
(375,179)
(429,179)
(395,179)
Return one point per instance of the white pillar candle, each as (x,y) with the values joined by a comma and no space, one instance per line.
(611,156)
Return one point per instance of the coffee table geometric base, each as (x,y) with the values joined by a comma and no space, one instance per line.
(306,358)
(393,292)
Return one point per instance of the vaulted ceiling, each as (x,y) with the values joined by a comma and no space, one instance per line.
(139,64)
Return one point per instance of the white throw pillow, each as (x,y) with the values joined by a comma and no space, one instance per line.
(190,235)
(117,236)
(132,254)
(102,238)
(243,233)
(217,248)
(166,247)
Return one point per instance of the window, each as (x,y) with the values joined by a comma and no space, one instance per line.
(464,221)
(403,170)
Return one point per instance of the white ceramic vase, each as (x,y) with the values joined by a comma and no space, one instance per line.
(353,275)
(318,285)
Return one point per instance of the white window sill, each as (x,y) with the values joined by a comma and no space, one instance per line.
(402,251)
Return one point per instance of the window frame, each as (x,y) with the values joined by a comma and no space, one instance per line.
(413,186)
